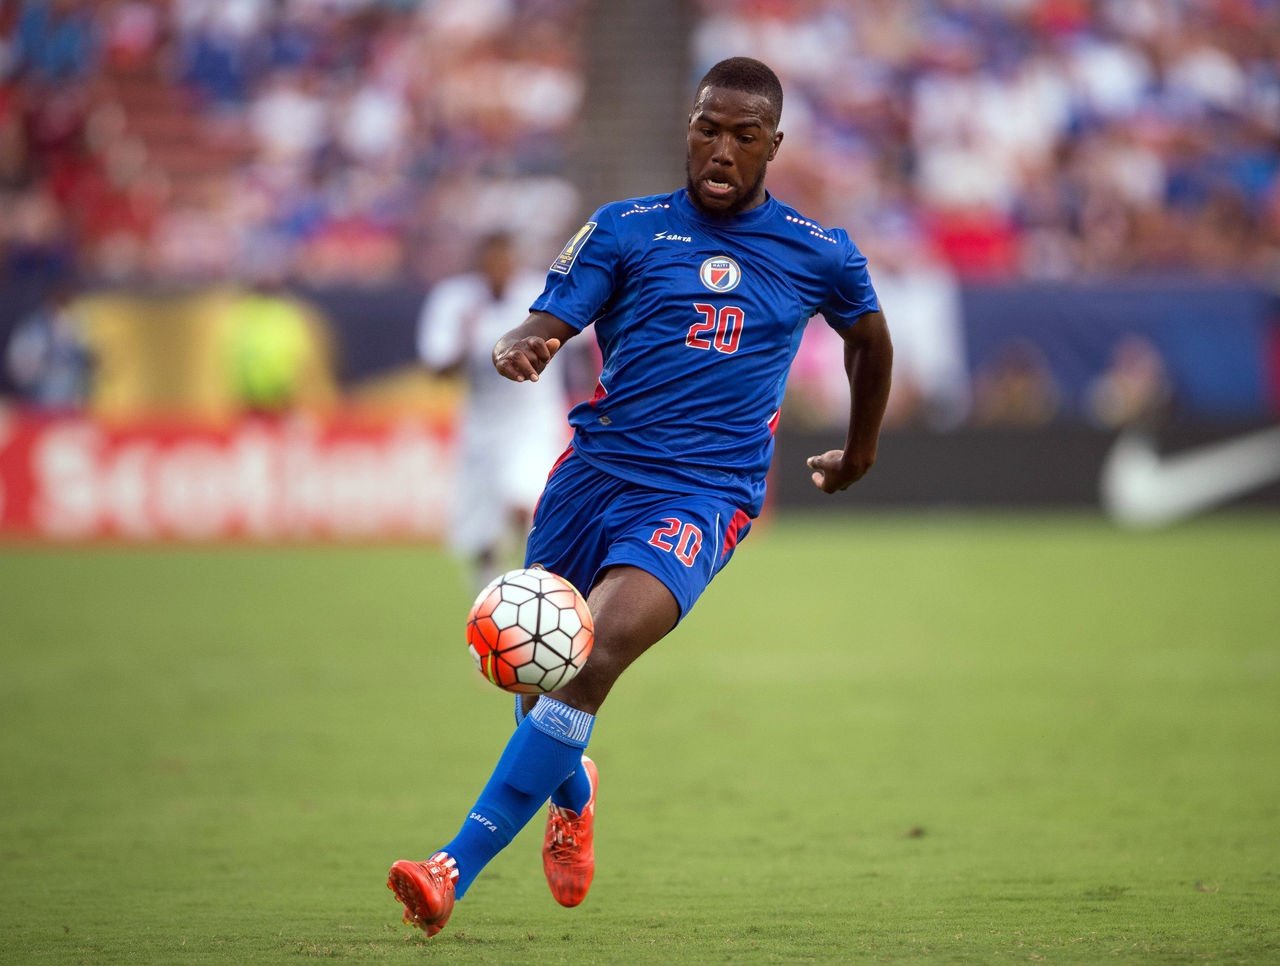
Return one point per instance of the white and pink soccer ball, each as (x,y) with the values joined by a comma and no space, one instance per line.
(530,631)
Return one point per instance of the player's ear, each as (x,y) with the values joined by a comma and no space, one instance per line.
(777,142)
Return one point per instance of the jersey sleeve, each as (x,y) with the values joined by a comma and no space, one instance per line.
(584,274)
(852,294)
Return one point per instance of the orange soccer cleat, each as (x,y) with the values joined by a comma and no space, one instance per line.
(426,889)
(568,851)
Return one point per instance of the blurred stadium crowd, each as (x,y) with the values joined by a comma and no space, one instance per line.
(1030,138)
(334,142)
(358,141)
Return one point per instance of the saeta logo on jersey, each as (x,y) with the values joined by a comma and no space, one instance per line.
(720,273)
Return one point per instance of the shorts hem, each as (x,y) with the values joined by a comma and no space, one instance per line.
(640,563)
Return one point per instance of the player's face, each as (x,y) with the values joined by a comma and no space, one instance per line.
(497,262)
(732,138)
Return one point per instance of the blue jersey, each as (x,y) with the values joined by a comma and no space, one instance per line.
(698,319)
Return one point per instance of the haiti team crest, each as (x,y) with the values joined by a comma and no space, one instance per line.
(720,273)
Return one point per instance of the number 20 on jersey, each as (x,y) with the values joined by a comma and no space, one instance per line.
(717,328)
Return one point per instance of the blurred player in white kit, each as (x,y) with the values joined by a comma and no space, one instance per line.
(510,433)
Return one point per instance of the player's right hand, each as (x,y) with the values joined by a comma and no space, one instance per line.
(525,358)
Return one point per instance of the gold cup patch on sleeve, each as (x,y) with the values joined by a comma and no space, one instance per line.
(569,254)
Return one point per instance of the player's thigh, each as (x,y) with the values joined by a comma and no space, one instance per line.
(632,610)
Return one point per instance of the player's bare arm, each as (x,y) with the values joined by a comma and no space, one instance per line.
(524,352)
(868,360)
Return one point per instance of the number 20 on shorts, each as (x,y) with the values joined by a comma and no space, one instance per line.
(676,536)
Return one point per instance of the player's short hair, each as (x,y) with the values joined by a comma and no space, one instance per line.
(497,238)
(746,74)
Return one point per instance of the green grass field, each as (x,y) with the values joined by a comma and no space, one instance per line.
(951,739)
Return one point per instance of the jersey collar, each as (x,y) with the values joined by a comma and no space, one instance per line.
(748,219)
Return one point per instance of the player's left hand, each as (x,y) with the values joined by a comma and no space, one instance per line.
(835,470)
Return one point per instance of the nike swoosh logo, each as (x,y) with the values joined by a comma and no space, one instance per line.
(1141,488)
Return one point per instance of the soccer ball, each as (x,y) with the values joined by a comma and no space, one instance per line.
(530,631)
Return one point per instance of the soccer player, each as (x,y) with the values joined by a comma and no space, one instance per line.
(698,298)
(509,437)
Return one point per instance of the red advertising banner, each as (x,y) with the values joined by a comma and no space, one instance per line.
(73,479)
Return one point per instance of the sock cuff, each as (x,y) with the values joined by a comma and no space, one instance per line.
(519,709)
(557,720)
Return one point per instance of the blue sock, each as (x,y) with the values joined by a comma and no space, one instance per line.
(544,750)
(575,791)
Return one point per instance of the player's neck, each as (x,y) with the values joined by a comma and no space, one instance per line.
(749,213)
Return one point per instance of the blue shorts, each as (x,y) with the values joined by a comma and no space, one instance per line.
(588,520)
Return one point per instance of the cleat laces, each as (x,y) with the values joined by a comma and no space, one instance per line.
(564,836)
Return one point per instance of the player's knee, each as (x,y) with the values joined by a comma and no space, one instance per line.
(588,690)
(632,612)
(624,630)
